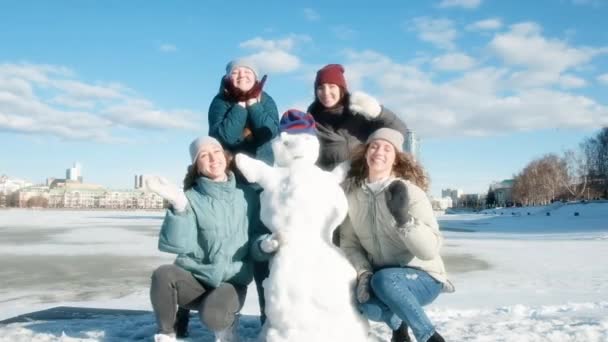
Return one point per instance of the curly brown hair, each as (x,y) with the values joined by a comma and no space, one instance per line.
(193,173)
(405,167)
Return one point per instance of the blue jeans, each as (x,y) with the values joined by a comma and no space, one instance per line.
(398,294)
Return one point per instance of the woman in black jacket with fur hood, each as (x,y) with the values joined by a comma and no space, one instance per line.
(344,120)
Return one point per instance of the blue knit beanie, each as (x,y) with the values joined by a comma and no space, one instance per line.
(294,121)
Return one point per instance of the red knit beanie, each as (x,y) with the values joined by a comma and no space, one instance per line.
(331,73)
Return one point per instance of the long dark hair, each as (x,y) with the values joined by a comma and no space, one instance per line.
(405,167)
(193,172)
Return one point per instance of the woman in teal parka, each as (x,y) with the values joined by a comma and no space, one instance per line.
(244,118)
(208,227)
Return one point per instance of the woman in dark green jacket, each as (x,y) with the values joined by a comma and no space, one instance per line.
(207,227)
(244,118)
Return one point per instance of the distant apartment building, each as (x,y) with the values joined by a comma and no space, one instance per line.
(29,196)
(131,199)
(441,204)
(503,192)
(7,187)
(82,196)
(8,184)
(73,194)
(472,201)
(453,194)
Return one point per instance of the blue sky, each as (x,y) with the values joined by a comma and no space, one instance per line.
(123,87)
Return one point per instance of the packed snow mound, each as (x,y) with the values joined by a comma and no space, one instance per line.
(569,322)
(309,292)
(592,209)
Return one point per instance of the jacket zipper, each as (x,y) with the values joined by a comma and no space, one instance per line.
(374,229)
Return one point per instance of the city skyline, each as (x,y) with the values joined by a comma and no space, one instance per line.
(487,86)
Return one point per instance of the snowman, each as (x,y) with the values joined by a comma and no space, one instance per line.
(309,291)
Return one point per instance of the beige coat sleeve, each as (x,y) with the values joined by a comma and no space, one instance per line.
(421,233)
(349,243)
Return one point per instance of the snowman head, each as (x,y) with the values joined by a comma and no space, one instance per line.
(297,141)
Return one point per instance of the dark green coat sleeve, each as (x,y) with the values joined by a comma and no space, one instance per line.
(257,230)
(227,122)
(265,114)
(264,120)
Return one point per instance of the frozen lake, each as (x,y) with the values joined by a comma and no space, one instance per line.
(521,269)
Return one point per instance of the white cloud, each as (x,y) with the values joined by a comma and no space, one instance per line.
(453,61)
(274,55)
(268,44)
(603,78)
(524,46)
(344,33)
(311,14)
(469,4)
(593,3)
(167,48)
(483,101)
(485,25)
(439,32)
(277,61)
(571,81)
(143,114)
(40,99)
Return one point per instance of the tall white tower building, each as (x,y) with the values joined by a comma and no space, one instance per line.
(74,173)
(412,144)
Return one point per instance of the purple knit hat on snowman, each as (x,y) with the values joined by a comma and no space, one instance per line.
(294,121)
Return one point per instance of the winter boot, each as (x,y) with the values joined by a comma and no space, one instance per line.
(401,334)
(436,338)
(181,322)
(229,334)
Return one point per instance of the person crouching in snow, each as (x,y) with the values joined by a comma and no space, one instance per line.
(392,238)
(207,227)
(345,120)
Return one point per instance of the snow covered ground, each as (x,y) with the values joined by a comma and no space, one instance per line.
(518,276)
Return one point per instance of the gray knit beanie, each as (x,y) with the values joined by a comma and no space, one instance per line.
(393,136)
(242,62)
(196,145)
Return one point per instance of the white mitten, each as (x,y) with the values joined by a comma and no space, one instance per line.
(364,104)
(270,244)
(168,191)
(341,170)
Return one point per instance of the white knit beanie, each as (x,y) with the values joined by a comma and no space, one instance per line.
(242,62)
(393,136)
(198,143)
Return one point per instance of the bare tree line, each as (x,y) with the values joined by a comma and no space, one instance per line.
(581,173)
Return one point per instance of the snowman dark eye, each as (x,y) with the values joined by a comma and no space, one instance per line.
(286,143)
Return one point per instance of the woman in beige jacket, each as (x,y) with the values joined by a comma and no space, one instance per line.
(392,238)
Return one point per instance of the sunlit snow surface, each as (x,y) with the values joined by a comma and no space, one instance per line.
(518,277)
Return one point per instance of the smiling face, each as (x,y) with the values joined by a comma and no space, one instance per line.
(242,78)
(211,162)
(380,158)
(329,94)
